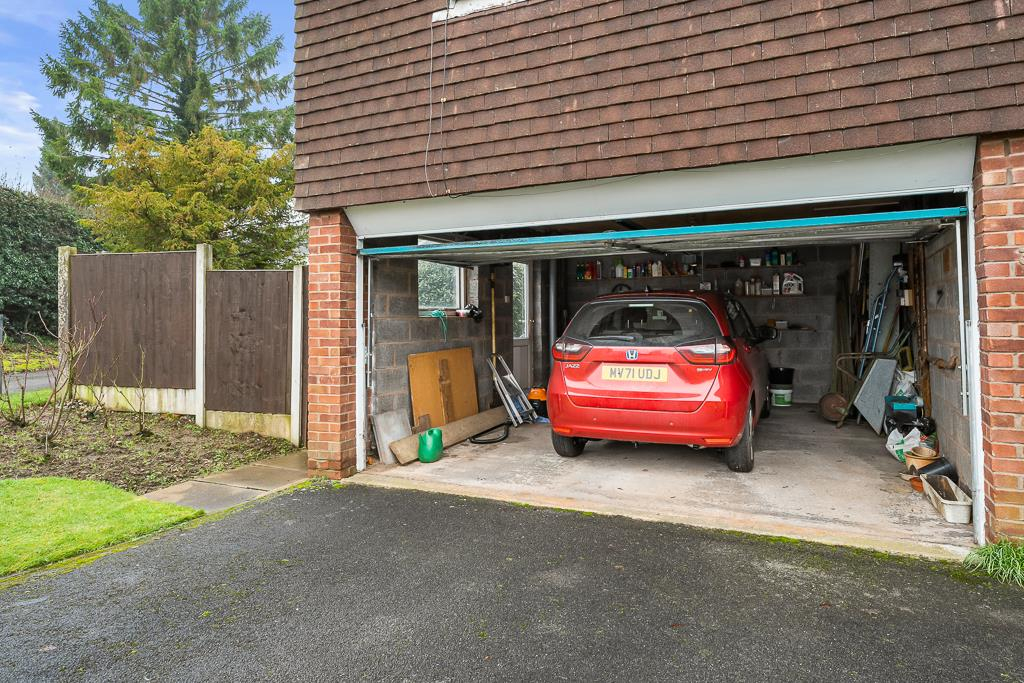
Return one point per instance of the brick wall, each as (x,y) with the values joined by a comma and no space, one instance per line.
(999,222)
(331,430)
(547,91)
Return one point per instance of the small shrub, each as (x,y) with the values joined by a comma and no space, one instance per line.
(1003,560)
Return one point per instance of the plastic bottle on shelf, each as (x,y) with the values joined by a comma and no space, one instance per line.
(737,288)
(598,268)
(588,271)
(620,269)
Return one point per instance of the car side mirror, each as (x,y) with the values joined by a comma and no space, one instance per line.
(766,333)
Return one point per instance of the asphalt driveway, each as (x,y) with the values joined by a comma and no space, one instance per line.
(364,583)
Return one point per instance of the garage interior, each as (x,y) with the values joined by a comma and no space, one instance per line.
(811,479)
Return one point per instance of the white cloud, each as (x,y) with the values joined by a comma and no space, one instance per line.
(19,138)
(47,14)
(16,102)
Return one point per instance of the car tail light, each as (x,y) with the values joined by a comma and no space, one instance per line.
(708,352)
(570,350)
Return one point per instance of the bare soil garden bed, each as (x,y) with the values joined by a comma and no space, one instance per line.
(111,449)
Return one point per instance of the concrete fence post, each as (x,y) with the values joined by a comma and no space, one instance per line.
(204,262)
(64,331)
(295,412)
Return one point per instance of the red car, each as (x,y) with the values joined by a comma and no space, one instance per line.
(660,367)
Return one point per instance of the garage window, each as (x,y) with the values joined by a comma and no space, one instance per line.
(441,286)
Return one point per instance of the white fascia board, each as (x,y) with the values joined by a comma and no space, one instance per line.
(944,165)
(460,8)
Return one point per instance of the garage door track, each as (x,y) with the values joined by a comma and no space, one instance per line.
(357,582)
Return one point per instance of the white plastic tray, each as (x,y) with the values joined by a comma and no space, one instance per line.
(957,511)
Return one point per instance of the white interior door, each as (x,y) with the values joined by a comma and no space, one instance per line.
(521,324)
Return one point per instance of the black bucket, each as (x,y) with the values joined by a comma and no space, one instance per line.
(780,376)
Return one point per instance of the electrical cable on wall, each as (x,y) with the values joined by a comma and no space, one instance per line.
(430,105)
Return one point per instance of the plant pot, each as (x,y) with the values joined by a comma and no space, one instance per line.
(921,456)
(949,499)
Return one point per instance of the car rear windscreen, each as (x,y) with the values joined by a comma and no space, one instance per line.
(643,323)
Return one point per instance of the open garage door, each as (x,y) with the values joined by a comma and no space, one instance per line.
(843,229)
(830,476)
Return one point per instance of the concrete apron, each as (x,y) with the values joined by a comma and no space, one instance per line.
(810,482)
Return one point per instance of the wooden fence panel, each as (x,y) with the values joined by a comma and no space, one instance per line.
(146,306)
(248,341)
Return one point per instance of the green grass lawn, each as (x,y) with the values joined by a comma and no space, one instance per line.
(46,519)
(31,398)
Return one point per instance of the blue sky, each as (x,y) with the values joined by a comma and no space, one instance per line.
(30,29)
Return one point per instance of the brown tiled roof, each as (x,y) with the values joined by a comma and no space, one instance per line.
(548,91)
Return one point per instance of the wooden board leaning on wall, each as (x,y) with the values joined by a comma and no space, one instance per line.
(442,385)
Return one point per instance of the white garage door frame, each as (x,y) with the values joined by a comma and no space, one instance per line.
(494,250)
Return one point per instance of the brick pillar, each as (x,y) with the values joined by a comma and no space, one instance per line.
(999,225)
(331,436)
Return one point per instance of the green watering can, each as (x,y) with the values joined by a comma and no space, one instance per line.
(431,445)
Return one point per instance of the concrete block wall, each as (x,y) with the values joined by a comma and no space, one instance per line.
(941,293)
(399,330)
(808,352)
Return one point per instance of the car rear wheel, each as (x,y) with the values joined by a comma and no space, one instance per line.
(567,446)
(740,458)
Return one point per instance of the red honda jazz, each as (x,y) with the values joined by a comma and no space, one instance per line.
(660,367)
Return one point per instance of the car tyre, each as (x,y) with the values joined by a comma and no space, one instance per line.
(740,458)
(567,446)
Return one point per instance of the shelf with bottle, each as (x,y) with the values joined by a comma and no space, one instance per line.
(779,284)
(694,276)
(772,258)
(788,266)
(649,270)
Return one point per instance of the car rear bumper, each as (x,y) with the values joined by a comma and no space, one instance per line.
(716,424)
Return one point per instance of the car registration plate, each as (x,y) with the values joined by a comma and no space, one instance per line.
(635,373)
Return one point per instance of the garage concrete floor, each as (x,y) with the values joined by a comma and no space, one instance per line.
(810,481)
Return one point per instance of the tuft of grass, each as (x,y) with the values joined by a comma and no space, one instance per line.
(47,519)
(1003,560)
(31,398)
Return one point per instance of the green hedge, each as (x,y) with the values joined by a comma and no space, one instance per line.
(31,229)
